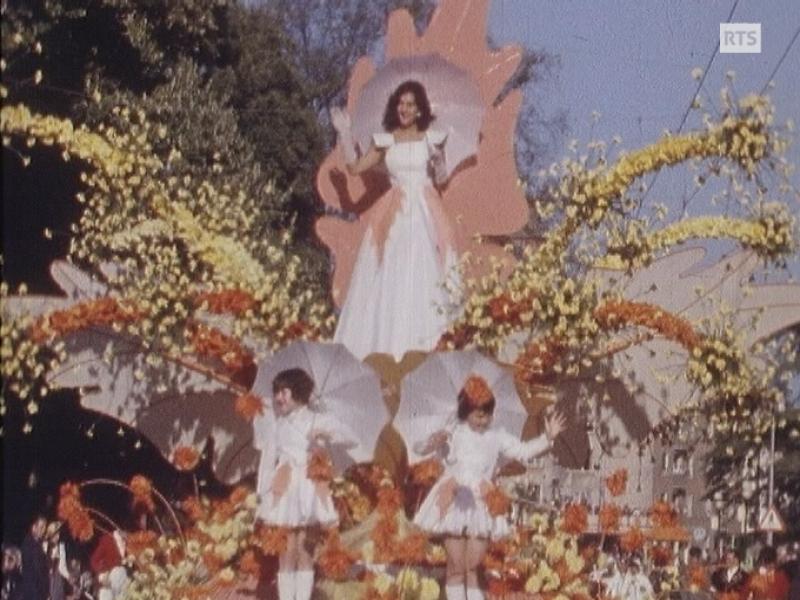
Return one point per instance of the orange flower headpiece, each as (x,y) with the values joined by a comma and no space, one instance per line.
(477,391)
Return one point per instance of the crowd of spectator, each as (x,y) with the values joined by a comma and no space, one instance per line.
(42,568)
(774,576)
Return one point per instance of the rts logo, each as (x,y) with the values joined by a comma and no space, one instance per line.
(740,38)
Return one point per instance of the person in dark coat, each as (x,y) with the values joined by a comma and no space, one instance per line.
(730,578)
(35,572)
(12,573)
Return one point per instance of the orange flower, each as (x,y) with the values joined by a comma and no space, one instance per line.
(575,519)
(411,549)
(663,515)
(212,562)
(235,302)
(609,517)
(299,330)
(534,364)
(617,313)
(617,482)
(142,491)
(334,559)
(185,458)
(238,495)
(477,391)
(497,502)
(72,511)
(139,541)
(632,540)
(389,500)
(193,508)
(249,405)
(248,564)
(271,540)
(212,343)
(504,310)
(457,338)
(426,473)
(320,467)
(383,536)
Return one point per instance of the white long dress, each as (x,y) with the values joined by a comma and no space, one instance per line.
(288,498)
(396,300)
(468,470)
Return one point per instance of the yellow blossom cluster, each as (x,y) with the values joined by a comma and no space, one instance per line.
(160,240)
(540,558)
(718,366)
(200,565)
(24,362)
(769,233)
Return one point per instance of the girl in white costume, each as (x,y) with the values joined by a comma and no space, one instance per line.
(396,297)
(291,494)
(456,506)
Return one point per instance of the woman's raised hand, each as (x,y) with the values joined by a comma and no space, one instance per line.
(340,120)
(554,425)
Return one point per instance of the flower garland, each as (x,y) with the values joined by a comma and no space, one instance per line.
(613,314)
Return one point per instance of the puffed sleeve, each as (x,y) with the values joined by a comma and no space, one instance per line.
(435,137)
(511,447)
(382,140)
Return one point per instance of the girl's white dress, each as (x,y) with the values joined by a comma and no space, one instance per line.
(469,467)
(396,300)
(288,498)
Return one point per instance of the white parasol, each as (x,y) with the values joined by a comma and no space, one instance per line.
(455,102)
(429,396)
(344,387)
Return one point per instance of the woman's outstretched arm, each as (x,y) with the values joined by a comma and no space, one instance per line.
(355,165)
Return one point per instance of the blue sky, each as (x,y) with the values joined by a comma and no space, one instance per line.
(631,60)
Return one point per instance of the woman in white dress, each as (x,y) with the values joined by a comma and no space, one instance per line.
(396,300)
(293,475)
(462,505)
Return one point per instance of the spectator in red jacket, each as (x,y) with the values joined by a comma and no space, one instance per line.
(768,582)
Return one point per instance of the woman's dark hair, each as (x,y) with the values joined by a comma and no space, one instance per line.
(296,380)
(466,406)
(391,120)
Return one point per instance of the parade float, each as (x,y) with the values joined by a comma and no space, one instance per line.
(179,303)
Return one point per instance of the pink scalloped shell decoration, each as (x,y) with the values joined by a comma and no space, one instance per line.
(483,196)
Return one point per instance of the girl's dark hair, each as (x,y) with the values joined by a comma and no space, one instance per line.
(466,406)
(391,120)
(298,381)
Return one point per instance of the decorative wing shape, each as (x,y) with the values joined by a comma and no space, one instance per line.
(166,401)
(651,384)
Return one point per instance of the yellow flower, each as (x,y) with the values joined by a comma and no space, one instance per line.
(429,589)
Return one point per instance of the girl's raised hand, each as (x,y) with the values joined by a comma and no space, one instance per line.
(554,425)
(437,440)
(320,436)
